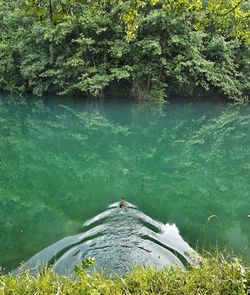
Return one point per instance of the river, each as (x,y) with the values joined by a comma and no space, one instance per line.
(64,161)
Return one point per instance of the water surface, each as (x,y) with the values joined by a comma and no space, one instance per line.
(62,162)
(118,239)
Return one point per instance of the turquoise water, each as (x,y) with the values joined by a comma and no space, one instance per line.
(63,162)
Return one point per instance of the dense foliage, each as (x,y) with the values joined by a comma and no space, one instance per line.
(215,276)
(149,49)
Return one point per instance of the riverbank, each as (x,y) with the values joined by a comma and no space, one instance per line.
(212,276)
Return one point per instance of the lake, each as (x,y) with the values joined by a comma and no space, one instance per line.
(63,161)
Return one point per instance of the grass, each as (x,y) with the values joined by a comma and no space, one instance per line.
(214,275)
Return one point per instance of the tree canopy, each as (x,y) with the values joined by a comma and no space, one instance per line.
(149,48)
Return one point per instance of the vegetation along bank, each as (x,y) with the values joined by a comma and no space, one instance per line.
(213,276)
(149,49)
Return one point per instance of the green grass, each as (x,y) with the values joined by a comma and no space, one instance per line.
(213,276)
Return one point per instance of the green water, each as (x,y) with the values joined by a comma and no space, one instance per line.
(62,162)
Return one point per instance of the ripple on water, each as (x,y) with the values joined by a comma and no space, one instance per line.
(118,239)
